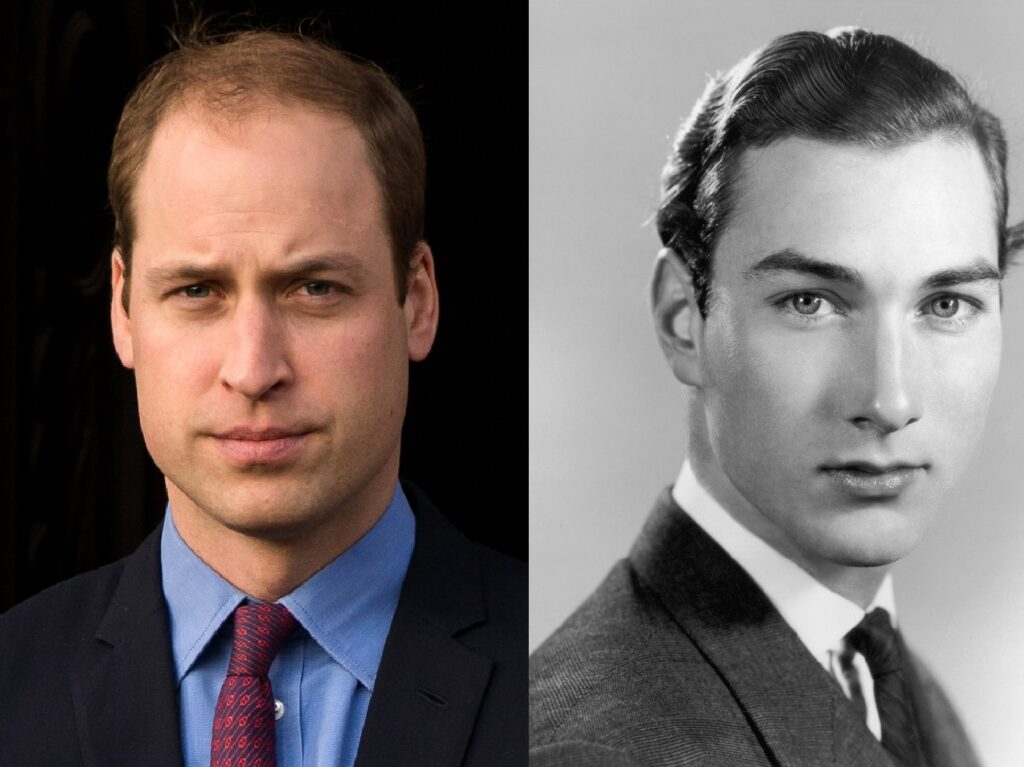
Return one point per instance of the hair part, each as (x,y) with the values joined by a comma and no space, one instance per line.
(845,86)
(234,75)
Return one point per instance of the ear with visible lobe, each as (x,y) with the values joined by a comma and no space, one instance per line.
(421,305)
(120,323)
(677,320)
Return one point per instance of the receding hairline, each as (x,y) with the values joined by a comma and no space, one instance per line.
(200,101)
(234,126)
(234,123)
(233,73)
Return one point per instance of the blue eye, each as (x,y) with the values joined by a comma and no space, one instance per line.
(196,291)
(317,288)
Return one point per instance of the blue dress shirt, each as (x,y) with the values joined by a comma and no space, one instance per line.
(324,673)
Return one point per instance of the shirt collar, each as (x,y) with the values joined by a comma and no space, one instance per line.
(346,607)
(818,615)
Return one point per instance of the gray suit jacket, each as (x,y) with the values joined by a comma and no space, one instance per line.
(679,658)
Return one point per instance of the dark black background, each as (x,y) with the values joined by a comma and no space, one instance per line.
(77,488)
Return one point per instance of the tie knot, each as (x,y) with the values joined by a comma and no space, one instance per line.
(876,639)
(260,630)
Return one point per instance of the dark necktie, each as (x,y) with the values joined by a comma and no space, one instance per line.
(243,723)
(876,639)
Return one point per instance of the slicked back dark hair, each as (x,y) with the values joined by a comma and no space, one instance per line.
(848,85)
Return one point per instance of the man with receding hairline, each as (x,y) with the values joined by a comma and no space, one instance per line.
(298,605)
(834,232)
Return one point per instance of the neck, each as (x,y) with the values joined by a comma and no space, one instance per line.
(267,565)
(859,585)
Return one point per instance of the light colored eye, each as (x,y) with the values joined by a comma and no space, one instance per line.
(317,288)
(805,303)
(945,306)
(197,291)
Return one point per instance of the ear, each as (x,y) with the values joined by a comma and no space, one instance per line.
(677,321)
(421,303)
(120,322)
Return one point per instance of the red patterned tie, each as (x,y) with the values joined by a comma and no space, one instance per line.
(243,724)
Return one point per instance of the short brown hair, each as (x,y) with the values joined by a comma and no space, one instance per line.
(235,73)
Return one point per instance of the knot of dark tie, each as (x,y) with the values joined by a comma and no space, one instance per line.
(875,638)
(260,630)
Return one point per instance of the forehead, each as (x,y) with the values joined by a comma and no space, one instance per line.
(899,210)
(278,170)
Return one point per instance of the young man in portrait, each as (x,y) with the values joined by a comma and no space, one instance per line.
(834,231)
(298,605)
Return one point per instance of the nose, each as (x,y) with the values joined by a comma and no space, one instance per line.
(255,359)
(884,381)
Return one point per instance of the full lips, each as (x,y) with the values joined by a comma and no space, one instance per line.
(265,451)
(883,484)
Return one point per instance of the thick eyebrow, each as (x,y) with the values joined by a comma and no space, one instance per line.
(792,261)
(316,264)
(979,271)
(789,260)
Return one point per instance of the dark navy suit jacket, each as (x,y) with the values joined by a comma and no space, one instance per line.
(86,673)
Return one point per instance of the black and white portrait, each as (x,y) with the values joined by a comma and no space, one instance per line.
(771,281)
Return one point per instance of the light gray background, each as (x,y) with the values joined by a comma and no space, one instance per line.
(609,82)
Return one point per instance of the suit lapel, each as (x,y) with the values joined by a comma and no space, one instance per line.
(429,685)
(125,698)
(797,710)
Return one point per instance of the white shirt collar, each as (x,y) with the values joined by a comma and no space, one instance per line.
(818,615)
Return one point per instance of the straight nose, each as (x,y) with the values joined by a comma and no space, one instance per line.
(255,359)
(887,396)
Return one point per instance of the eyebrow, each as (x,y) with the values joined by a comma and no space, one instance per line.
(190,272)
(792,261)
(979,271)
(788,260)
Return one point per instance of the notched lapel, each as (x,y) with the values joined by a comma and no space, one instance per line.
(425,702)
(430,685)
(797,710)
(125,701)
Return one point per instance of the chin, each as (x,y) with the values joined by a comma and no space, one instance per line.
(875,541)
(265,524)
(265,515)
